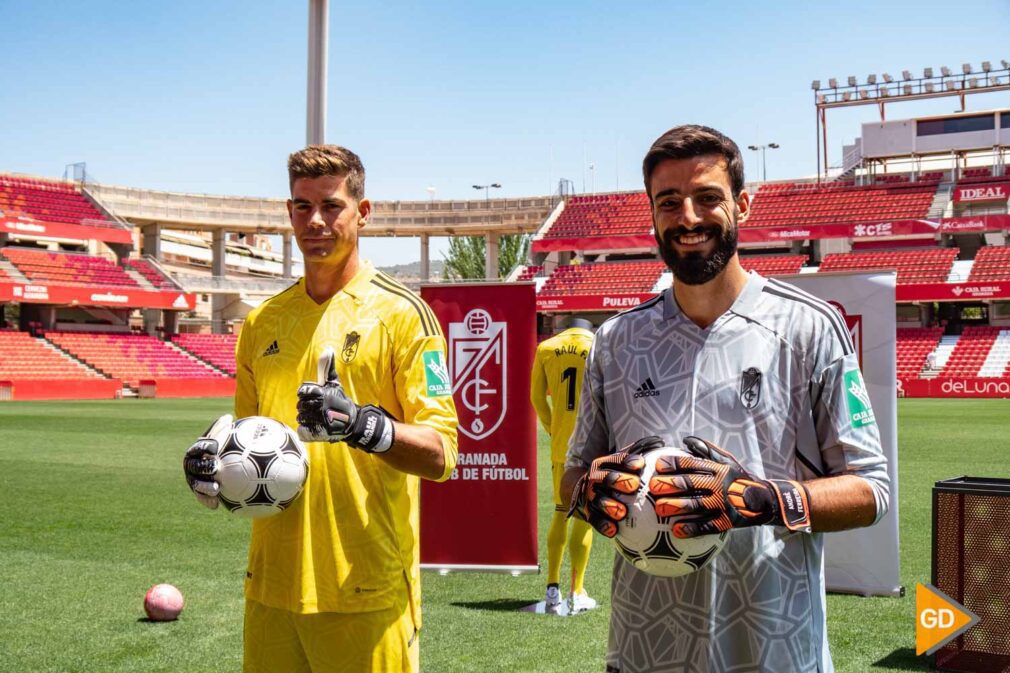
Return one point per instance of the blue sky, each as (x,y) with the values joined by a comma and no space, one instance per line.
(210,96)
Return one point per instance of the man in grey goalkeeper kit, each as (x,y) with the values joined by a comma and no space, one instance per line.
(760,382)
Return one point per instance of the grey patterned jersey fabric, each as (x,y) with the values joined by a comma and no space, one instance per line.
(775,381)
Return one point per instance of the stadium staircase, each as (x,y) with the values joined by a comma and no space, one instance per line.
(10,272)
(997,363)
(941,201)
(970,351)
(913,347)
(139,279)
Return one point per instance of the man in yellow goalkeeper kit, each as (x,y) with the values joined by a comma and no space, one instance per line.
(355,362)
(557,372)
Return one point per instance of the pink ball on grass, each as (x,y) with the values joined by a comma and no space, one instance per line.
(163,603)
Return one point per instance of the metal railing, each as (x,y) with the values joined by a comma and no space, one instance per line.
(210,284)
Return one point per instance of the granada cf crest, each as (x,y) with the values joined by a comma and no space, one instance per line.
(350,348)
(479,372)
(750,387)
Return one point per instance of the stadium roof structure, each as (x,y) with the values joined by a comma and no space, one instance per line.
(241,214)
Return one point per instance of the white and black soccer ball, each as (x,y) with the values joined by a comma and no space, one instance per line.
(263,467)
(647,541)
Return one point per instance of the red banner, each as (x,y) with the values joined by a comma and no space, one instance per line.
(25,226)
(983,192)
(485,516)
(954,387)
(994,289)
(591,302)
(67,295)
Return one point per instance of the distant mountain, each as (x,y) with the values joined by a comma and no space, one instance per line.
(411,273)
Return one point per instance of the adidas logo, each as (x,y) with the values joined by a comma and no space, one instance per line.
(647,389)
(272,349)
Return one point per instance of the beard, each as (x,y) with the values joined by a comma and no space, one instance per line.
(695,268)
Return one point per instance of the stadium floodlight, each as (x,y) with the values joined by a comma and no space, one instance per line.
(871,79)
(945,71)
(864,93)
(927,72)
(973,82)
(762,148)
(906,75)
(884,92)
(1006,64)
(888,78)
(966,68)
(847,96)
(852,80)
(907,89)
(951,85)
(815,85)
(930,87)
(833,83)
(986,66)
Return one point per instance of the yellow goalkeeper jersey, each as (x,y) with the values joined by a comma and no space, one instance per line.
(350,541)
(557,371)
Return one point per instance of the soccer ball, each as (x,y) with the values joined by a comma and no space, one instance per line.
(163,603)
(645,539)
(262,469)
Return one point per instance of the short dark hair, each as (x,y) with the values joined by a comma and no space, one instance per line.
(316,161)
(692,140)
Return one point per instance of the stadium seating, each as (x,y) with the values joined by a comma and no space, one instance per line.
(40,266)
(24,357)
(529,272)
(983,175)
(971,351)
(148,271)
(789,204)
(773,265)
(217,349)
(620,214)
(603,277)
(131,357)
(46,201)
(992,262)
(914,344)
(913,266)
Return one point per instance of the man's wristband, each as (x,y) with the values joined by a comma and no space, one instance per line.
(794,504)
(372,431)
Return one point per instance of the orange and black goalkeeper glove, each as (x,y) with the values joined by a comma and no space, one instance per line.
(711,492)
(595,496)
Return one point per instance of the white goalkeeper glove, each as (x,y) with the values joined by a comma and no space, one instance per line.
(201,462)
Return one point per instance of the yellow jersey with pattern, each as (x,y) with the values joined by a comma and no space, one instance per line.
(350,541)
(557,371)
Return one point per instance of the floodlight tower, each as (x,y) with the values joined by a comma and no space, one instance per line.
(319,33)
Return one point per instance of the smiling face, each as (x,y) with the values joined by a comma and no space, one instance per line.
(326,219)
(695,216)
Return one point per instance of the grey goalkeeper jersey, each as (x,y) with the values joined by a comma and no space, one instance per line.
(775,381)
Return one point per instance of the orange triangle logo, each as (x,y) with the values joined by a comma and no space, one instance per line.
(938,619)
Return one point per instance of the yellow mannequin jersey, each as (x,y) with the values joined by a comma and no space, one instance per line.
(557,370)
(350,541)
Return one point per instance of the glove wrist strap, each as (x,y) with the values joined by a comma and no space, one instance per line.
(794,504)
(372,431)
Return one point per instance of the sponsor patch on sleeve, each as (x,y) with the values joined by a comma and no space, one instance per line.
(860,411)
(436,375)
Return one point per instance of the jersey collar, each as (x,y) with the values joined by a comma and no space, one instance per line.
(356,288)
(744,304)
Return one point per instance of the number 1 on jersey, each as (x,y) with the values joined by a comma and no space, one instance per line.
(569,376)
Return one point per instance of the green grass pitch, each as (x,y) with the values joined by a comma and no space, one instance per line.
(94,510)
